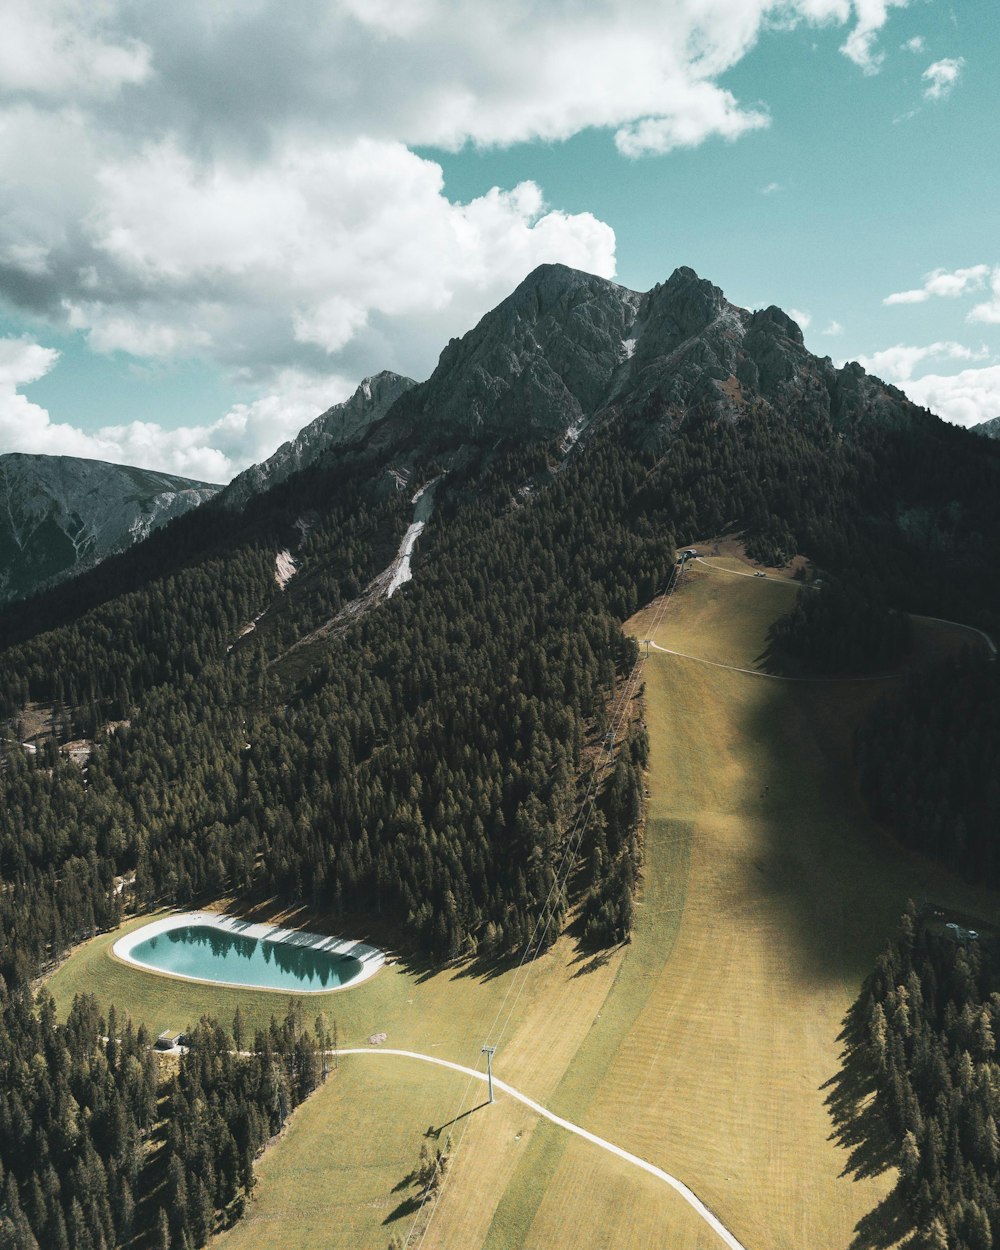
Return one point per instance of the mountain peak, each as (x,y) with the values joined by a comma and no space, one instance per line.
(340,425)
(989,429)
(779,320)
(566,347)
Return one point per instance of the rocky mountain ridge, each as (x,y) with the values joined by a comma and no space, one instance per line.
(568,347)
(340,425)
(60,515)
(989,429)
(565,352)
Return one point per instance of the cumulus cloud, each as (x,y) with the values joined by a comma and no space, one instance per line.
(942,76)
(861,44)
(770,188)
(914,45)
(948,283)
(704,110)
(989,310)
(56,48)
(238,182)
(802,318)
(896,364)
(834,329)
(964,398)
(214,452)
(287,262)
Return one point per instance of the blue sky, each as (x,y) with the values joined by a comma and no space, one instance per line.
(216,218)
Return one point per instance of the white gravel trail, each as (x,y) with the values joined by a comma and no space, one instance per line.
(688,1195)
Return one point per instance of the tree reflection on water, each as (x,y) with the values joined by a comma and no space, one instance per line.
(236,957)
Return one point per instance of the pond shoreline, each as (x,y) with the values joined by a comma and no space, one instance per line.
(369,957)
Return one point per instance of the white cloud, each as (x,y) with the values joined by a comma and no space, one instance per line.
(860,45)
(236,181)
(57,48)
(834,329)
(989,311)
(22,362)
(214,452)
(304,252)
(964,398)
(704,110)
(770,188)
(802,318)
(429,72)
(942,76)
(896,364)
(916,296)
(949,283)
(915,45)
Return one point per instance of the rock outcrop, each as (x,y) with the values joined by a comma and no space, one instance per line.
(989,429)
(339,426)
(567,348)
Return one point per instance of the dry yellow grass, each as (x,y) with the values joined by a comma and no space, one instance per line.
(338,1176)
(717,1044)
(702,1047)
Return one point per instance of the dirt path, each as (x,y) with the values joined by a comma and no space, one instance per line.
(756,672)
(688,1195)
(938,620)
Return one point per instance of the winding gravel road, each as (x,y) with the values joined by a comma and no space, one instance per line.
(688,1195)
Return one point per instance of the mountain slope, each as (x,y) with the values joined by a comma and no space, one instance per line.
(338,426)
(989,429)
(62,514)
(691,415)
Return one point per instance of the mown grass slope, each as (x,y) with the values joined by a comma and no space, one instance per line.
(720,1032)
(703,1046)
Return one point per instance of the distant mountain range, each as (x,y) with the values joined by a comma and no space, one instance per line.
(991,428)
(60,515)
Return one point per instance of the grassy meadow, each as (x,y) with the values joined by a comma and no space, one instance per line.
(702,1046)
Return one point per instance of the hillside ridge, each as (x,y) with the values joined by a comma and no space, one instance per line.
(60,515)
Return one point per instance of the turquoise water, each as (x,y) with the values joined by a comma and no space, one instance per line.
(215,955)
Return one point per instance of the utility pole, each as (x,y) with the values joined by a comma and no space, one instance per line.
(489,1052)
(647,641)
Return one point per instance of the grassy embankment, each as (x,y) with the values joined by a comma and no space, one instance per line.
(703,1047)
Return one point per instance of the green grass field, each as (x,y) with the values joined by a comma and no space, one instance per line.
(703,1046)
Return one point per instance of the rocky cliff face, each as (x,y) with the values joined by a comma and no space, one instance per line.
(337,427)
(567,348)
(989,429)
(539,363)
(60,515)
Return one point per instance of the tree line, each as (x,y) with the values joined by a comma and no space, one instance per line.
(928,761)
(842,627)
(79,1120)
(920,1087)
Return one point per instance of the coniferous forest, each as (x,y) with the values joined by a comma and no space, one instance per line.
(928,760)
(425,761)
(79,1114)
(843,627)
(918,1090)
